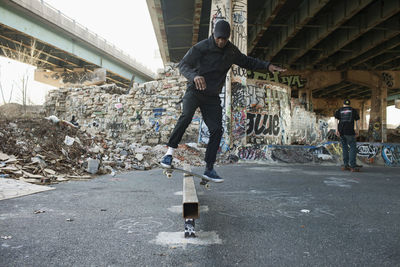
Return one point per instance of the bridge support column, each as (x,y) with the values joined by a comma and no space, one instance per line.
(305,98)
(235,12)
(363,116)
(377,120)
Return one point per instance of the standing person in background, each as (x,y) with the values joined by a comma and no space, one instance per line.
(205,66)
(346,117)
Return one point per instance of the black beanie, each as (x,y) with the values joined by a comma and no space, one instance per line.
(222,29)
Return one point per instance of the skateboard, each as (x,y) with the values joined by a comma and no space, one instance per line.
(348,168)
(204,181)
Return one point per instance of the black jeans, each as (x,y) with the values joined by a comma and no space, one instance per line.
(211,110)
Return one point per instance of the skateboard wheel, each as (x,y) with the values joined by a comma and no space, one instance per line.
(169,175)
(207,186)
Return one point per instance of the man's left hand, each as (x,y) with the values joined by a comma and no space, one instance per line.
(273,68)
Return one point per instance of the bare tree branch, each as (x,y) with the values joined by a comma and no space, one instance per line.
(29,55)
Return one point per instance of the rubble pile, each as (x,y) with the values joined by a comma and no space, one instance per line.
(52,150)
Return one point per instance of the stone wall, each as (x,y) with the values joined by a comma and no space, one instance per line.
(145,114)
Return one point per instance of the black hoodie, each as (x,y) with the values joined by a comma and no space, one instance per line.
(208,60)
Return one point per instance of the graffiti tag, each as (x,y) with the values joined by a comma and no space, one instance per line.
(262,124)
(391,154)
(251,153)
(367,150)
(290,80)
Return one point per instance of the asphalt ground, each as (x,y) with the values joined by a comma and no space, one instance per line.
(262,215)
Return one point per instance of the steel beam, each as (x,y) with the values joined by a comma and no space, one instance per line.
(369,41)
(190,201)
(306,11)
(41,50)
(375,14)
(344,86)
(378,50)
(263,21)
(383,59)
(342,12)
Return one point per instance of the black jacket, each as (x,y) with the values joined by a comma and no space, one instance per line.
(208,60)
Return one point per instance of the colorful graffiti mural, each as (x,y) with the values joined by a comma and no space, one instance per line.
(391,154)
(367,153)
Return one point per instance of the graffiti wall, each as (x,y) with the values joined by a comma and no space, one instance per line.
(307,127)
(263,113)
(331,152)
(267,107)
(260,114)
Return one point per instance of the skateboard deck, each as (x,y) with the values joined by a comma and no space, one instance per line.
(204,181)
(347,168)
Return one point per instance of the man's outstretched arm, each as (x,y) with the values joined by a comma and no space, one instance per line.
(251,63)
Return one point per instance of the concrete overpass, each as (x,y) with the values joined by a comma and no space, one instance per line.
(321,35)
(333,49)
(63,43)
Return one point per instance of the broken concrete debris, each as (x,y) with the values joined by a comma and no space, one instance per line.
(40,151)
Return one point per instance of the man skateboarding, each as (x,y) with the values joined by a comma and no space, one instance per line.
(205,66)
(345,118)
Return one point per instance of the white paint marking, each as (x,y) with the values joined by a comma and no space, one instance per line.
(178,209)
(178,239)
(227,214)
(271,169)
(340,182)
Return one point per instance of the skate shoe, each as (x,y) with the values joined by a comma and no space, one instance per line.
(166,161)
(213,176)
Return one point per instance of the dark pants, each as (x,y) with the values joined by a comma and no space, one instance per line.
(211,110)
(349,156)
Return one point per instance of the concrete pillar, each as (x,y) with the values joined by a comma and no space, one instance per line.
(235,12)
(383,99)
(397,103)
(363,116)
(305,98)
(377,121)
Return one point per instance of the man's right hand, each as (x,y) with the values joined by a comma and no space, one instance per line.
(337,133)
(200,83)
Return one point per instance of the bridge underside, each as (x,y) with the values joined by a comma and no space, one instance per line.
(315,35)
(20,46)
(34,32)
